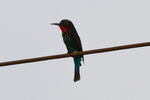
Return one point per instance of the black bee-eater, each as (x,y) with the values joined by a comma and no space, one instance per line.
(72,42)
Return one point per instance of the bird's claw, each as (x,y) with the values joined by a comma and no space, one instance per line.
(74,53)
(67,54)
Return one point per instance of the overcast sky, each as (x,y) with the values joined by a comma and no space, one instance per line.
(25,32)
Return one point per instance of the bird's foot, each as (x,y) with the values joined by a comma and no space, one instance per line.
(74,53)
(67,54)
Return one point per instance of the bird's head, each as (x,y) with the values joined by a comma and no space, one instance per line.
(64,25)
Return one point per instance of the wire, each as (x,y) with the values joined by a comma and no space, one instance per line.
(75,54)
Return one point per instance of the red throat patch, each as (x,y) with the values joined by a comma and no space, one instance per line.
(63,29)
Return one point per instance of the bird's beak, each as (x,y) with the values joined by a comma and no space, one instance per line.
(55,24)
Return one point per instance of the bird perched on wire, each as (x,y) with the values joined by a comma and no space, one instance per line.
(72,42)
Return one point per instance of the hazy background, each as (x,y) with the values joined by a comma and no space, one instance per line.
(25,32)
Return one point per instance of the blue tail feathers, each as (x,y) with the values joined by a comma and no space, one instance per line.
(77,62)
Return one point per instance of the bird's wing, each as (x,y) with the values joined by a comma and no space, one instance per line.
(77,43)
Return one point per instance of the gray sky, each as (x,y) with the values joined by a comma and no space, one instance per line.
(25,33)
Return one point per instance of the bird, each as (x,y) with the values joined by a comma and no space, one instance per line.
(73,44)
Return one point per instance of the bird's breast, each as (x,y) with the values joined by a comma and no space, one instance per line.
(67,38)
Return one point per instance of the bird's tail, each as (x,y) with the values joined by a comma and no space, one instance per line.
(77,62)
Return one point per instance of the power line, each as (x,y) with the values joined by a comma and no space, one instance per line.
(74,54)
